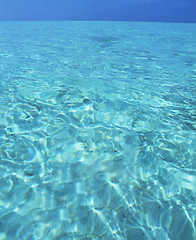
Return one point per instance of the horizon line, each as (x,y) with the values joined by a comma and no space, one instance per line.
(89,20)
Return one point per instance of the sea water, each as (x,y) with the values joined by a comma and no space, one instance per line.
(97,131)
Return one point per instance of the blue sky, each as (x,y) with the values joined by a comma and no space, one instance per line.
(126,10)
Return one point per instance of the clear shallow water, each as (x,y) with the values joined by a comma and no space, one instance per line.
(97,130)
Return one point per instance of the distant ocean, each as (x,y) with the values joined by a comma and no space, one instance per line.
(97,131)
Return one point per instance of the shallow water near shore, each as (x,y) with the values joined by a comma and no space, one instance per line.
(97,130)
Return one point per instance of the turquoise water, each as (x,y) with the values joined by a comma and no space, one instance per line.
(97,131)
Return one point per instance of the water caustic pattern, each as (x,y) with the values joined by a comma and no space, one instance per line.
(97,131)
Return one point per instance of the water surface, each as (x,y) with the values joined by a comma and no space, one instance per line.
(97,131)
